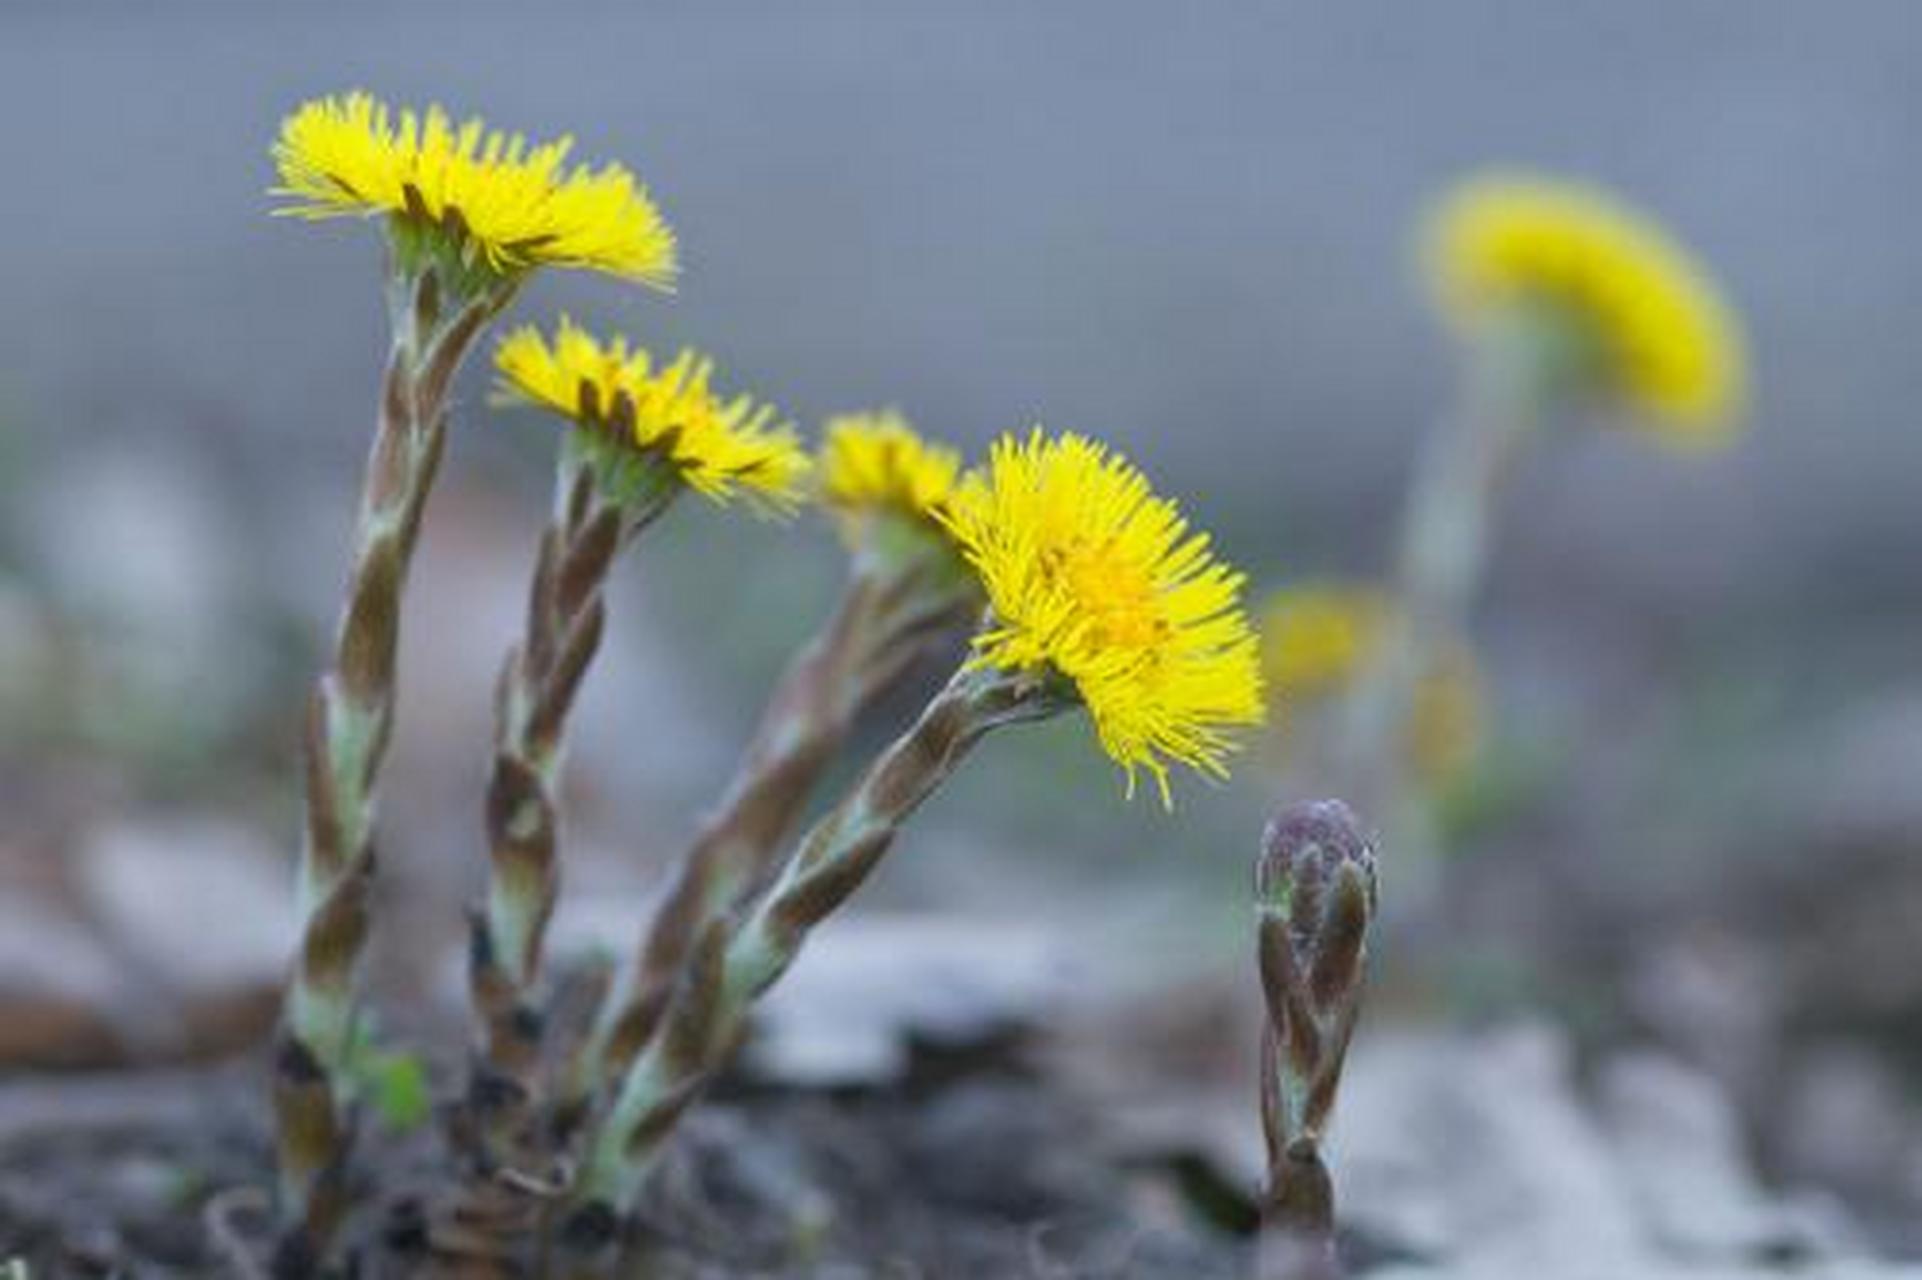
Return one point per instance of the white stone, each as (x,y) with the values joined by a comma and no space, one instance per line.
(204,906)
(1682,1158)
(1474,1146)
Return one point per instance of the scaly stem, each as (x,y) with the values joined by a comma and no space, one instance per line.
(1297,1218)
(349,720)
(538,684)
(883,621)
(736,958)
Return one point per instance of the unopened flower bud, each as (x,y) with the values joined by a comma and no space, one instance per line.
(1315,899)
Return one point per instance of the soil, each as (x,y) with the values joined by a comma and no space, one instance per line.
(982,1172)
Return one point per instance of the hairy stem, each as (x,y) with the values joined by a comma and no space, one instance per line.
(881,623)
(349,720)
(1297,1218)
(736,958)
(539,681)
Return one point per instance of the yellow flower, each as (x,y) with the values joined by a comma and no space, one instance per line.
(618,393)
(1668,345)
(1091,576)
(1318,640)
(521,205)
(1315,639)
(875,462)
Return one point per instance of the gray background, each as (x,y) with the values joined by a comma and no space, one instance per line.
(1185,228)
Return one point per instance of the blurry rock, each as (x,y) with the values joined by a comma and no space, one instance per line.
(60,989)
(1846,1124)
(1474,1147)
(1475,1151)
(1843,898)
(1851,951)
(1578,1268)
(1857,774)
(203,912)
(867,988)
(1171,1072)
(996,1147)
(137,548)
(864,989)
(1680,1145)
(1714,998)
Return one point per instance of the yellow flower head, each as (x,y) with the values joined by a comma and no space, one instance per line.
(876,462)
(1317,641)
(521,205)
(667,411)
(1091,576)
(1666,342)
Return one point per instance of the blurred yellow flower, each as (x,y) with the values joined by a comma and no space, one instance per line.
(1445,722)
(1318,641)
(618,393)
(1092,577)
(1315,638)
(1665,341)
(877,462)
(521,205)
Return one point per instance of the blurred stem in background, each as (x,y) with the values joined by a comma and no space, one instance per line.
(1566,300)
(1515,368)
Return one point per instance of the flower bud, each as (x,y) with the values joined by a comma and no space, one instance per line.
(1315,899)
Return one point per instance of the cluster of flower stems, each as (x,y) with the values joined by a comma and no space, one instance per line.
(559,1126)
(555,1133)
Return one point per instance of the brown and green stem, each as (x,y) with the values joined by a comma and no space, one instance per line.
(890,613)
(602,501)
(737,957)
(438,306)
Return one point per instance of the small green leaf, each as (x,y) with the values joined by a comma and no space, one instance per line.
(396,1085)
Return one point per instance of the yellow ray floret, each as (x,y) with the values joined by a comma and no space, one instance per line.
(521,204)
(1670,347)
(1317,641)
(876,462)
(1091,575)
(717,446)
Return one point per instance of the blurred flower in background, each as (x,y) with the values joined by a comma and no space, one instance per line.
(1623,311)
(1319,640)
(874,462)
